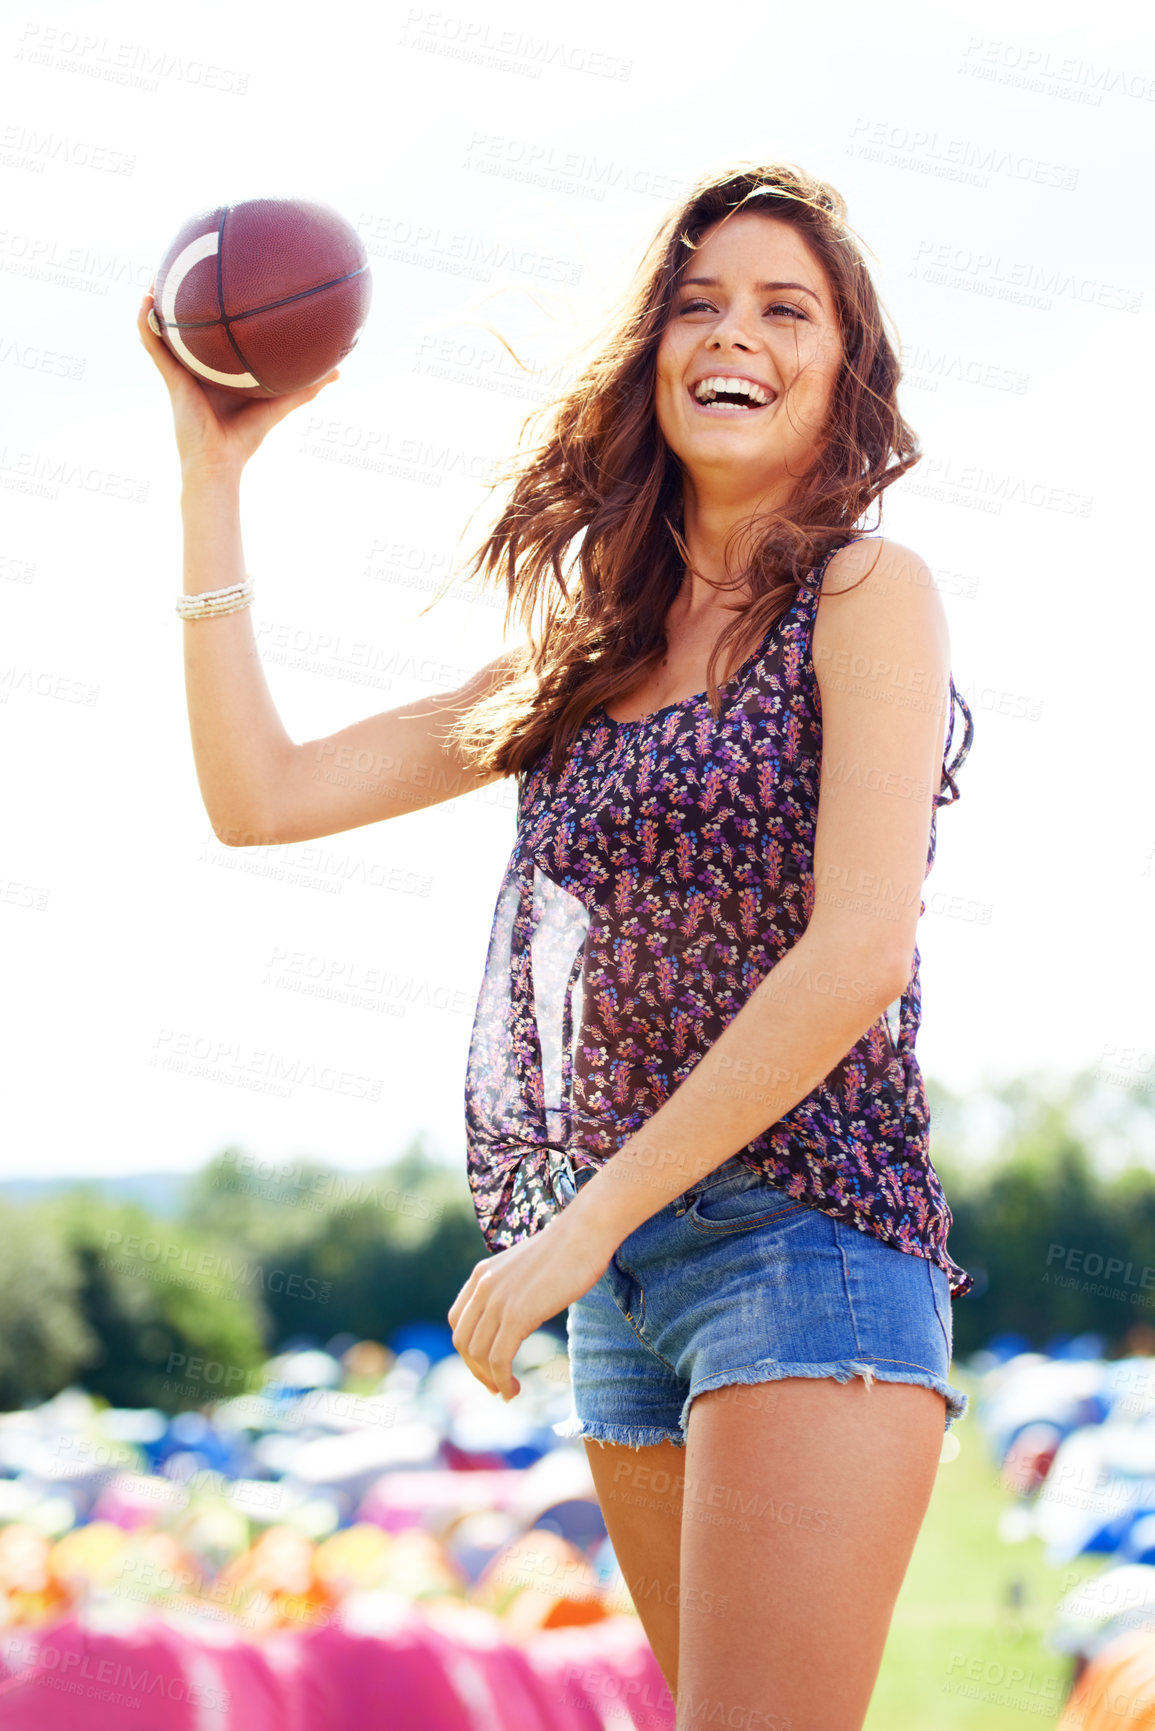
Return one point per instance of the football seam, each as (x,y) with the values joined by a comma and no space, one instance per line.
(271,306)
(223,321)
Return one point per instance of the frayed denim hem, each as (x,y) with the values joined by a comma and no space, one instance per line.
(842,1371)
(632,1436)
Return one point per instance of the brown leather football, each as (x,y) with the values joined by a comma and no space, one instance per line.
(263,297)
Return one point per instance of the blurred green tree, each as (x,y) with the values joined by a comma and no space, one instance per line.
(151,1296)
(45,1340)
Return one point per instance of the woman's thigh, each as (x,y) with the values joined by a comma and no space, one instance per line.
(802,1503)
(639,1491)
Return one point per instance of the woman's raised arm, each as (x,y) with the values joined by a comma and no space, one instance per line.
(258,785)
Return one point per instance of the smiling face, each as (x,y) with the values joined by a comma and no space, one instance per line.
(764,324)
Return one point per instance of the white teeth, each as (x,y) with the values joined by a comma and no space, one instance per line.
(706,390)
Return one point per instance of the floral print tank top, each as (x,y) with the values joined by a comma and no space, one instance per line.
(655,880)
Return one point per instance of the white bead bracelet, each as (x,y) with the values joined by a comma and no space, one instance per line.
(211,601)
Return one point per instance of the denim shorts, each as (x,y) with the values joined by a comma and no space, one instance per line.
(736,1282)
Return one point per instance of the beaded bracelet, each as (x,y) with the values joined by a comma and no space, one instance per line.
(214,601)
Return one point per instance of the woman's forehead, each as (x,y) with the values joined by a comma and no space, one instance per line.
(748,242)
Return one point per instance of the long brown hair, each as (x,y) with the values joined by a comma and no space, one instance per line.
(603,471)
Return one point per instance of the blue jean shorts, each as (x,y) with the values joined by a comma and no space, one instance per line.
(736,1282)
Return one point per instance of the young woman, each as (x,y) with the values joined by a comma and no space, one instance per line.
(694,1112)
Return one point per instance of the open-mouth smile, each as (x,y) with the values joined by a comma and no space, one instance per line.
(730,394)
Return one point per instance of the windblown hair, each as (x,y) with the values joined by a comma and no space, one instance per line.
(604,473)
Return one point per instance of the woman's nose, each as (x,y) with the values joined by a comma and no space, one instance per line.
(733,331)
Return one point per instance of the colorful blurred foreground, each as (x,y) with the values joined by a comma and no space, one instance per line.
(1075,1439)
(374,1537)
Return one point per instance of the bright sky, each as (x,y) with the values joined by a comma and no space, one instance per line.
(989,156)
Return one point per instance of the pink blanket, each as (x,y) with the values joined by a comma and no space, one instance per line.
(438,1667)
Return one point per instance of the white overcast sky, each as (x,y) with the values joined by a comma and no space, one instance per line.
(995,158)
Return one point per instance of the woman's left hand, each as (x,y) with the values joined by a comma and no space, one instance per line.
(515,1291)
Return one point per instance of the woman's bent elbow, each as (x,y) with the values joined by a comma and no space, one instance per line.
(234,833)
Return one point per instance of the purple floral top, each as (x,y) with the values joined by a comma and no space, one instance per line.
(655,880)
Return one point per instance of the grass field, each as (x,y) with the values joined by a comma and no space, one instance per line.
(966,1641)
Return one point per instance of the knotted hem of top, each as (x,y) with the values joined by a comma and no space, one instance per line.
(842,1370)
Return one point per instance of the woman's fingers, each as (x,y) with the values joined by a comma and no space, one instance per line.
(275,408)
(500,1363)
(477,1366)
(470,1312)
(159,352)
(495,1359)
(211,421)
(147,335)
(477,1337)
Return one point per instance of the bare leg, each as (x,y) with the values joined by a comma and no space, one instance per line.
(802,1502)
(640,1493)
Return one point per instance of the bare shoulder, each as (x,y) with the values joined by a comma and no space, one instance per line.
(879,566)
(878,585)
(880,609)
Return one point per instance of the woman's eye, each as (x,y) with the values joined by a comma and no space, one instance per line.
(778,307)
